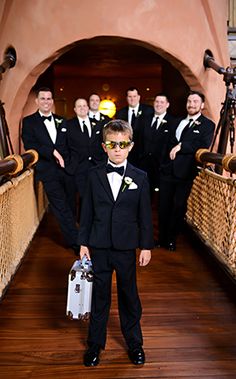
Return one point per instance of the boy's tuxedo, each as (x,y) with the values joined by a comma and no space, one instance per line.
(123,224)
(113,229)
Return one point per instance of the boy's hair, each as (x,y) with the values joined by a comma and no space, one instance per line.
(117,126)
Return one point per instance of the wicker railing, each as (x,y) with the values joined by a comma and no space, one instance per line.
(212,209)
(21,209)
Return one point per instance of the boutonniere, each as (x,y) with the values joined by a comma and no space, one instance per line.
(139,113)
(128,182)
(163,121)
(94,124)
(58,121)
(197,123)
(102,118)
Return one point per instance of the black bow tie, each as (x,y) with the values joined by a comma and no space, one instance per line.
(47,118)
(120,170)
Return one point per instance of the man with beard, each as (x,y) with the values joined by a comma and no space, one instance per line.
(179,169)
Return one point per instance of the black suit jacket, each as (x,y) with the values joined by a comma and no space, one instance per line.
(199,136)
(143,112)
(85,151)
(155,142)
(35,136)
(122,224)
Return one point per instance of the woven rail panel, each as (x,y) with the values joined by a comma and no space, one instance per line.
(212,214)
(19,219)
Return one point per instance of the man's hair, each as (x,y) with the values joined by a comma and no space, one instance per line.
(131,89)
(197,93)
(163,95)
(43,89)
(117,126)
(94,94)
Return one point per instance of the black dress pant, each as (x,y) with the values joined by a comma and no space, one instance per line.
(105,261)
(173,198)
(60,191)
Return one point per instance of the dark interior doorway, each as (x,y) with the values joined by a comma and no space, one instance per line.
(108,66)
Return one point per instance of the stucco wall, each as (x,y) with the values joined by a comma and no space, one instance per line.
(178,30)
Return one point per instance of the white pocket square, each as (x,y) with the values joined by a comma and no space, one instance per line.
(63,129)
(196,131)
(98,132)
(133,186)
(166,131)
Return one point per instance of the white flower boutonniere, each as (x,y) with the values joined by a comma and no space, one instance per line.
(139,113)
(58,121)
(197,122)
(126,182)
(163,121)
(102,118)
(93,123)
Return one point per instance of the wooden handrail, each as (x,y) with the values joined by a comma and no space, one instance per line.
(13,164)
(227,162)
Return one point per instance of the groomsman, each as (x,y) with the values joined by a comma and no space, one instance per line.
(46,132)
(154,139)
(135,114)
(84,136)
(178,171)
(94,113)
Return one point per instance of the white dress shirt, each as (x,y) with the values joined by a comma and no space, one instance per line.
(160,119)
(51,127)
(185,122)
(130,113)
(115,179)
(87,123)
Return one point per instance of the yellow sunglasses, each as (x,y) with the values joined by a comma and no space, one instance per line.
(122,144)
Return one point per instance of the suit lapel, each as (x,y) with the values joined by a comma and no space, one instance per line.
(102,175)
(129,172)
(43,128)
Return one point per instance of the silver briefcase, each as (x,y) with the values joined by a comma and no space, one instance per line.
(80,285)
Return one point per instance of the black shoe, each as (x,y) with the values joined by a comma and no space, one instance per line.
(171,246)
(91,357)
(76,249)
(137,356)
(159,243)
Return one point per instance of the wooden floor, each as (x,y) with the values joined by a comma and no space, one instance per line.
(189,318)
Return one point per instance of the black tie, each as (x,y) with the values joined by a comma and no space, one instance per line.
(133,118)
(46,118)
(186,128)
(94,116)
(119,170)
(85,129)
(154,125)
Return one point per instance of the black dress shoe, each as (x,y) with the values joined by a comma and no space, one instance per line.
(91,358)
(137,356)
(171,246)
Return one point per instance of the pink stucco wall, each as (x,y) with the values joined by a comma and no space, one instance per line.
(178,30)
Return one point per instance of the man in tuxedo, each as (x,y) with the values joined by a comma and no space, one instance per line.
(135,113)
(94,113)
(154,139)
(46,132)
(179,169)
(84,136)
(116,219)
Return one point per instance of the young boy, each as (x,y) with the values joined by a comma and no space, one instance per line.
(115,220)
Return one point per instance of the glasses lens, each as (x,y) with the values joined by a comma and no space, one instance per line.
(110,145)
(124,144)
